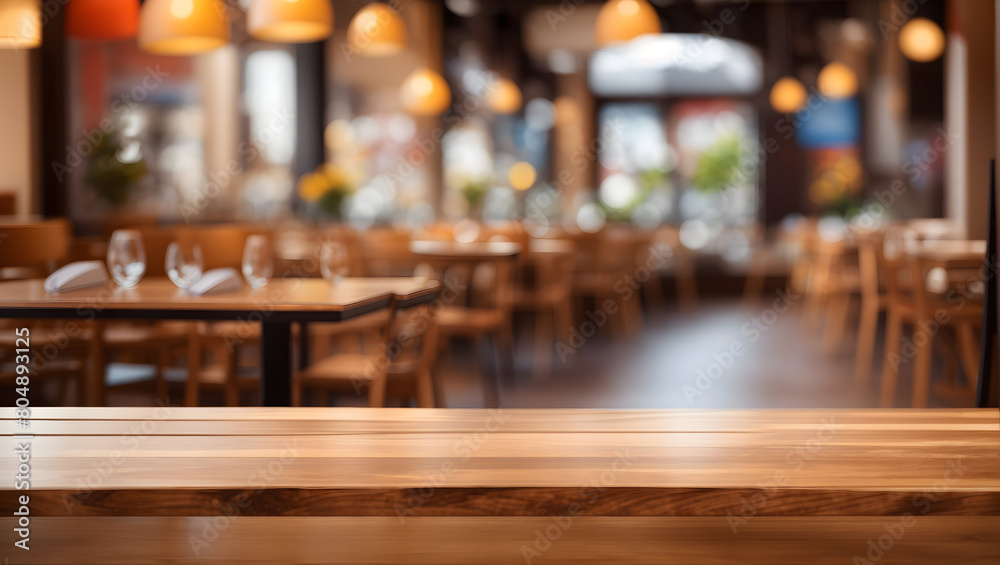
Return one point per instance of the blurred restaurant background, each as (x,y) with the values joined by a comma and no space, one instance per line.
(710,203)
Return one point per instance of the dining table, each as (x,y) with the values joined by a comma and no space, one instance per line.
(275,307)
(539,486)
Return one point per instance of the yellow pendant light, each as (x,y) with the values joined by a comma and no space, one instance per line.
(183,27)
(837,80)
(20,24)
(921,40)
(788,95)
(425,93)
(377,30)
(522,175)
(623,20)
(504,97)
(290,21)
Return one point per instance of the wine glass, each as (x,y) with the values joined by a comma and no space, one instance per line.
(333,261)
(258,261)
(126,258)
(184,267)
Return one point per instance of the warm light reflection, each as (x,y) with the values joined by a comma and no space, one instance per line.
(182,27)
(377,30)
(425,93)
(623,20)
(504,97)
(788,95)
(837,80)
(20,24)
(290,21)
(921,40)
(522,176)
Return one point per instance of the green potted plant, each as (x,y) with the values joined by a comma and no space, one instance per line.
(110,177)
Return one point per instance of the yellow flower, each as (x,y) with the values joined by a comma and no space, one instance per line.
(337,178)
(312,186)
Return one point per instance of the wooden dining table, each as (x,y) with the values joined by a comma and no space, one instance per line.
(275,307)
(404,485)
(946,253)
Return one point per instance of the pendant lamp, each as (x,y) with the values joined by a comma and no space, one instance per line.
(620,21)
(183,27)
(290,21)
(102,20)
(377,30)
(425,93)
(20,24)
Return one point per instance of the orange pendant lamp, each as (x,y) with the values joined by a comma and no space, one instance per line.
(183,27)
(377,30)
(20,24)
(620,21)
(102,20)
(290,21)
(425,93)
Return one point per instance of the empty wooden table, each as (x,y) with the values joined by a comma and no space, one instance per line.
(275,307)
(360,485)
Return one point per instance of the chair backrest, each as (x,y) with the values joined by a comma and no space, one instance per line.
(221,245)
(385,252)
(128,222)
(8,204)
(155,241)
(409,347)
(870,246)
(39,247)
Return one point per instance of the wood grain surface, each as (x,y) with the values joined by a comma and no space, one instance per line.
(361,485)
(281,295)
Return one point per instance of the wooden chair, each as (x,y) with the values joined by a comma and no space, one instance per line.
(911,302)
(603,263)
(385,253)
(8,204)
(481,312)
(215,348)
(781,250)
(666,243)
(547,294)
(874,300)
(154,343)
(34,250)
(401,367)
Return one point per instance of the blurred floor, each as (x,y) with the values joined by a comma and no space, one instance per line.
(672,365)
(781,366)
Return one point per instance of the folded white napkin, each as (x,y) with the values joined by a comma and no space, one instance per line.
(81,274)
(216,280)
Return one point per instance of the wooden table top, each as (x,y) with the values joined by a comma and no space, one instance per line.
(474,251)
(280,295)
(944,250)
(378,486)
(361,461)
